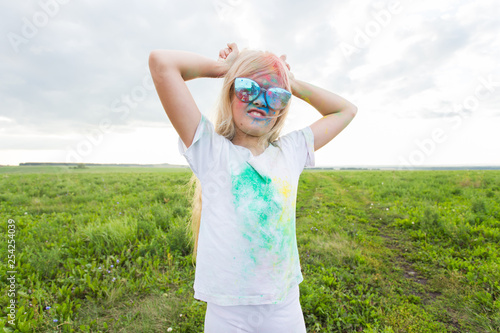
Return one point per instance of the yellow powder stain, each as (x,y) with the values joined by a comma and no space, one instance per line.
(285,189)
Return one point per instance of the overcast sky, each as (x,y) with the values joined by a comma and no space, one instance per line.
(75,84)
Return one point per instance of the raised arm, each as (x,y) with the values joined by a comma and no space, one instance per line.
(169,70)
(337,112)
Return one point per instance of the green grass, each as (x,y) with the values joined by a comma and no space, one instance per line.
(104,250)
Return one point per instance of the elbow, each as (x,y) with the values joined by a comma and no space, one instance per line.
(353,110)
(154,58)
(158,63)
(159,57)
(152,61)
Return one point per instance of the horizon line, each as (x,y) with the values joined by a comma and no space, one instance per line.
(24,164)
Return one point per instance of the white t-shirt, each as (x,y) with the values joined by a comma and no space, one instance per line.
(247,246)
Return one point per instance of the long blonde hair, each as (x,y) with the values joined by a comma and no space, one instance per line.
(248,63)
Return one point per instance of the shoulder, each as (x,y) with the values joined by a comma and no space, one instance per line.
(298,146)
(296,137)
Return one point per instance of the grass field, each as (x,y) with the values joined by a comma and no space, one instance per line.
(104,250)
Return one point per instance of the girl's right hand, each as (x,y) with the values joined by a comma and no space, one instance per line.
(228,55)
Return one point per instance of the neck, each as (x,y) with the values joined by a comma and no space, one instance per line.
(249,142)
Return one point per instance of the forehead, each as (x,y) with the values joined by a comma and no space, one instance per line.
(266,79)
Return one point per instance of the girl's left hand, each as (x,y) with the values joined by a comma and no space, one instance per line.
(290,74)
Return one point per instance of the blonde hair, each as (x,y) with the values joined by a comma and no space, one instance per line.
(248,63)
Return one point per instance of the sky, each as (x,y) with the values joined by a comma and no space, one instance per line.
(75,83)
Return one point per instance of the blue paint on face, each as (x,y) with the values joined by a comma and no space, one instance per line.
(258,125)
(261,121)
(260,103)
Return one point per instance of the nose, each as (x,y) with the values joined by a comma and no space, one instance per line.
(260,100)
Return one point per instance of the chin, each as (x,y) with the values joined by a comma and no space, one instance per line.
(258,129)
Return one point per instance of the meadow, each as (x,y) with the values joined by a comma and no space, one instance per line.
(105,250)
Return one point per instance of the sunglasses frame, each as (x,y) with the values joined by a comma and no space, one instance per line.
(276,90)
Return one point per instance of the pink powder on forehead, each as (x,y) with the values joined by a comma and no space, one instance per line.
(269,78)
(273,65)
(278,75)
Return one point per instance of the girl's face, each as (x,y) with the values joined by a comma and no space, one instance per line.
(252,118)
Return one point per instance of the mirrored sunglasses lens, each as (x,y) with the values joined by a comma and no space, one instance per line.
(278,98)
(246,90)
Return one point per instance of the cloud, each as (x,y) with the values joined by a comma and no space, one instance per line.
(88,63)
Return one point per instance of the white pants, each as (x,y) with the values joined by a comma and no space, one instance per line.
(285,317)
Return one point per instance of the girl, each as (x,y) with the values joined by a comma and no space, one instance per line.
(247,262)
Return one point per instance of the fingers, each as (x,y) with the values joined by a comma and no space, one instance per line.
(283,57)
(231,47)
(224,53)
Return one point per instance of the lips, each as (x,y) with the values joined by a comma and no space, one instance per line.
(257,113)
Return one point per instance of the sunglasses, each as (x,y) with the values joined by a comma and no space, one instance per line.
(248,90)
